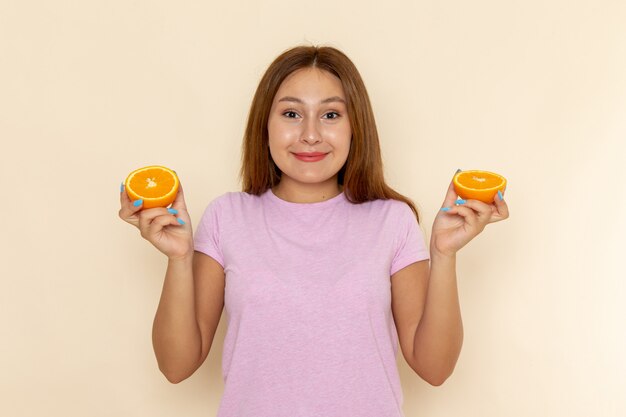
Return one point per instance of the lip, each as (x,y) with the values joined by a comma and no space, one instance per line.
(310,156)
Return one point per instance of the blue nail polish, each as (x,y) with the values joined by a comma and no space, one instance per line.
(172,211)
(180,221)
(461,201)
(137,203)
(500,195)
(122,187)
(445,209)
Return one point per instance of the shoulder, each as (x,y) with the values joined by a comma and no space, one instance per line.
(388,207)
(388,214)
(402,209)
(225,209)
(396,205)
(232,197)
(232,201)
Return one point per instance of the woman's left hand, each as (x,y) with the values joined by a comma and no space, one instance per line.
(455,227)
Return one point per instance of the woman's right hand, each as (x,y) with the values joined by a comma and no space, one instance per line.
(169,230)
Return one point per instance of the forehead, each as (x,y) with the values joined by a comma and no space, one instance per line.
(311,82)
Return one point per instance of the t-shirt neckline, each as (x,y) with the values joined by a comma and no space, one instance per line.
(330,202)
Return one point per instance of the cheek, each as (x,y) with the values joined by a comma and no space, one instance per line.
(341,138)
(271,129)
(280,133)
(277,140)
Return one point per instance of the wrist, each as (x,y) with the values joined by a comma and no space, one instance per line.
(181,259)
(438,256)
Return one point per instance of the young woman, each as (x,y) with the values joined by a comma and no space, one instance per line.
(321,266)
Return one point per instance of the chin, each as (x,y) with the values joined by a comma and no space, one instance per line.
(311,181)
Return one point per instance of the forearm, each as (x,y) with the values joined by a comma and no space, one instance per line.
(439,336)
(175,333)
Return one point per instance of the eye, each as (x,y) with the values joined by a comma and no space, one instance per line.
(290,114)
(334,113)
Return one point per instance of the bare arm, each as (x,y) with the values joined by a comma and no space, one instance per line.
(193,290)
(428,318)
(425,298)
(188,315)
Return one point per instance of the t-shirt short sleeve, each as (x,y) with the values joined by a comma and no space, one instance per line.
(410,244)
(207,237)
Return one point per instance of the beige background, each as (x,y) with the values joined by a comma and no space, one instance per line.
(534,90)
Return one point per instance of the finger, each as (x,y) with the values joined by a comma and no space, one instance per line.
(159,222)
(153,233)
(147,216)
(179,202)
(451,196)
(128,210)
(483,210)
(469,215)
(123,195)
(501,209)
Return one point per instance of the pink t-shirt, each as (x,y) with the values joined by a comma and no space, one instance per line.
(308,299)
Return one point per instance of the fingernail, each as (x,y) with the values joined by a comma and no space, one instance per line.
(458,170)
(180,221)
(461,201)
(122,187)
(172,211)
(137,203)
(500,194)
(445,209)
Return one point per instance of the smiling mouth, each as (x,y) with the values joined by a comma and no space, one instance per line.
(310,157)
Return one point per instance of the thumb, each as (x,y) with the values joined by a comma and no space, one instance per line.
(451,194)
(179,201)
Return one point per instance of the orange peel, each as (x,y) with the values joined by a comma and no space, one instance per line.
(156,185)
(478,185)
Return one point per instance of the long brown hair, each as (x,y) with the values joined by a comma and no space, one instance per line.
(362,175)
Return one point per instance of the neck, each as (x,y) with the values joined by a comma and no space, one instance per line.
(307,193)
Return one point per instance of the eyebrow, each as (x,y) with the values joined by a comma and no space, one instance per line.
(326,100)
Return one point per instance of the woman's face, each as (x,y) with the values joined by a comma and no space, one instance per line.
(309,129)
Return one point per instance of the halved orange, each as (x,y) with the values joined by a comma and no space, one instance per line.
(156,185)
(478,185)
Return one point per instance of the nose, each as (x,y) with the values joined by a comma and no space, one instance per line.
(311,134)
